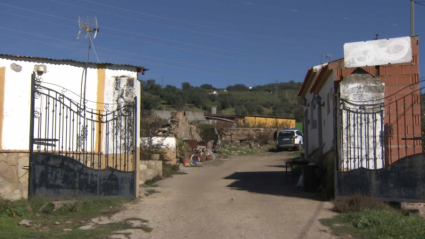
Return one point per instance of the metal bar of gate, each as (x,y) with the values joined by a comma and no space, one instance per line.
(31,135)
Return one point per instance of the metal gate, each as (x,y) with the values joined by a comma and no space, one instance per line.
(76,151)
(381,149)
(362,135)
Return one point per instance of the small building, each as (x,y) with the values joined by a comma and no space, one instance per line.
(367,114)
(108,87)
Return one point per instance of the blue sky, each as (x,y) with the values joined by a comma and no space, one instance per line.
(218,42)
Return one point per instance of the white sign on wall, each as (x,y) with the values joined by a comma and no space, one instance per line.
(378,52)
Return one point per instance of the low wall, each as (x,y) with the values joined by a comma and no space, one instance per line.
(149,169)
(236,135)
(167,144)
(14,175)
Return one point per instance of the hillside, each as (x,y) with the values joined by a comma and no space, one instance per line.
(236,99)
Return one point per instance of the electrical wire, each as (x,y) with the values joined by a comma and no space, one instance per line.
(123,52)
(128,38)
(144,21)
(170,19)
(115,56)
(138,40)
(150,36)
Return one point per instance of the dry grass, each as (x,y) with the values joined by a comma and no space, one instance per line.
(358,202)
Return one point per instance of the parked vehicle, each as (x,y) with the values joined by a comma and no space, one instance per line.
(290,139)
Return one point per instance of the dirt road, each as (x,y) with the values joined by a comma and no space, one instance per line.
(243,197)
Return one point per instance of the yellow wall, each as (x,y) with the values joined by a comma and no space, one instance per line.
(266,122)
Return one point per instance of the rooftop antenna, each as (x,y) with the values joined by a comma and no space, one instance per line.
(328,56)
(90,27)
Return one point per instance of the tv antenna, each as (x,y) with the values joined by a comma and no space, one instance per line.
(90,27)
(328,56)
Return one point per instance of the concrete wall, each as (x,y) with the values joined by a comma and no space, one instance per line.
(149,169)
(14,175)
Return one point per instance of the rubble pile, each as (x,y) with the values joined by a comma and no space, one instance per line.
(181,128)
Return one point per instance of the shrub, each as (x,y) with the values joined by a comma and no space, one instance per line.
(358,202)
(263,138)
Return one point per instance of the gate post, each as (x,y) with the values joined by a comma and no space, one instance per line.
(135,140)
(31,138)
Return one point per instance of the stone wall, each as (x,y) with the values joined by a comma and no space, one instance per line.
(182,129)
(236,135)
(14,175)
(149,169)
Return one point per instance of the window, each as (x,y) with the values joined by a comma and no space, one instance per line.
(299,133)
(286,134)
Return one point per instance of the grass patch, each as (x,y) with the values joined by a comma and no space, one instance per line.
(171,170)
(49,223)
(230,150)
(377,224)
(365,217)
(358,202)
(151,183)
(150,192)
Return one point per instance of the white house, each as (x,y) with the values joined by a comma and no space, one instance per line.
(107,86)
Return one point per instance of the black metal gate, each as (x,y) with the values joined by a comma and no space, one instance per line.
(381,149)
(76,151)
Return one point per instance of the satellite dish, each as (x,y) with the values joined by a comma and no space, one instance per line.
(88,25)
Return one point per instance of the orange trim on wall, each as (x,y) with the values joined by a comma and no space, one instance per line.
(100,99)
(2,86)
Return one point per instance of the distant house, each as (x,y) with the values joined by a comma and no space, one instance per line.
(369,116)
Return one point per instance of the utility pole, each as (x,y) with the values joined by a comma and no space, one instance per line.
(412,18)
(412,15)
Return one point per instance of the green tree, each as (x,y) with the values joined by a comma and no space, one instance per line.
(237,87)
(186,86)
(207,87)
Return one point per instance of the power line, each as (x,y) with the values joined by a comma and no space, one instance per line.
(138,40)
(167,18)
(126,58)
(118,51)
(144,21)
(127,38)
(149,36)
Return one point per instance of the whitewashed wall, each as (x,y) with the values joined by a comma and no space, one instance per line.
(313,132)
(112,95)
(361,143)
(18,94)
(328,124)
